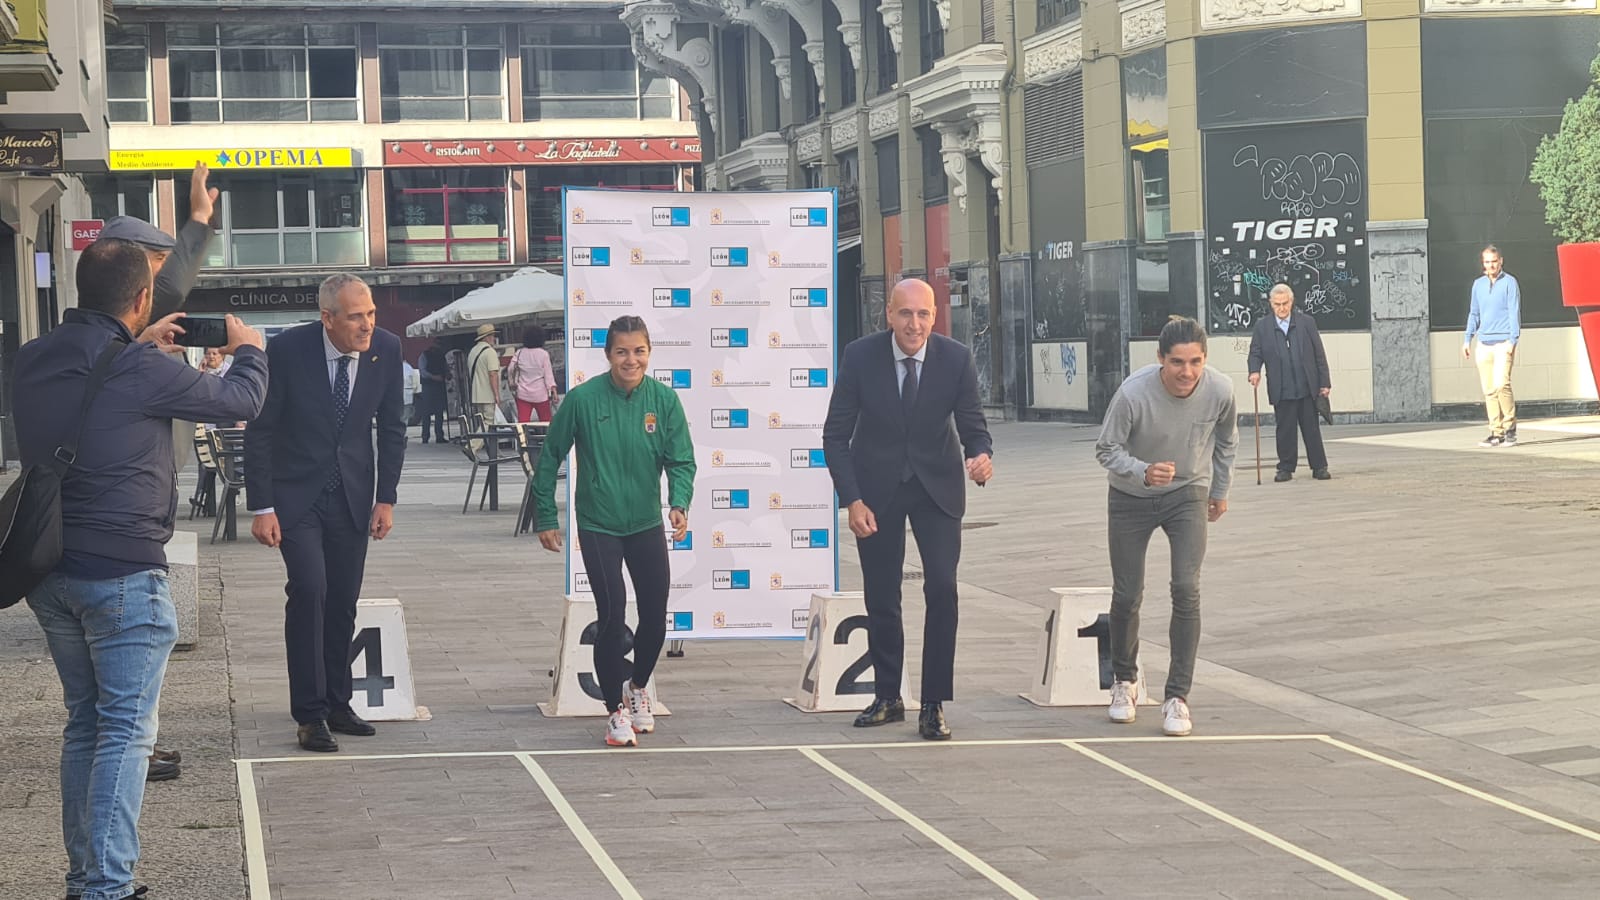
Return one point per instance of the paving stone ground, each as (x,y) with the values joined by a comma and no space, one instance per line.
(1432,605)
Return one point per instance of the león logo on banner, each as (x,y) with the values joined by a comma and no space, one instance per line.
(774,259)
(577,215)
(578,297)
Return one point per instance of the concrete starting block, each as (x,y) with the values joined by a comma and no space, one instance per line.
(183,581)
(575,691)
(380,665)
(837,675)
(1074,667)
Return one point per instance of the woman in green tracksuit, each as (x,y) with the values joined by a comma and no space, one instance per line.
(628,429)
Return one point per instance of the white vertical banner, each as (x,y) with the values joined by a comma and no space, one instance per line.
(738,291)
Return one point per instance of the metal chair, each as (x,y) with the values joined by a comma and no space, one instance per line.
(204,500)
(481,453)
(227,447)
(530,441)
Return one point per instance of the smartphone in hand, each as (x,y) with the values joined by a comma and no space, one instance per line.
(201,331)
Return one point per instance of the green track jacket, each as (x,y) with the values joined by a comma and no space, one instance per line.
(625,441)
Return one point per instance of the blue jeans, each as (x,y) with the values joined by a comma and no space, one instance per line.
(110,640)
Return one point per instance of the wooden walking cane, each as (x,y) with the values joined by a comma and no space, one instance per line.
(1257,391)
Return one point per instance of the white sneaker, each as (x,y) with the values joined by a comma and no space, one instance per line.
(1175,717)
(644,718)
(619,729)
(1124,701)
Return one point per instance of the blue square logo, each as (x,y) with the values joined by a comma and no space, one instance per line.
(819,538)
(597,337)
(600,256)
(738,256)
(819,378)
(686,544)
(680,621)
(819,218)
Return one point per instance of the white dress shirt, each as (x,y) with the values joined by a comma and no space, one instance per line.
(332,354)
(900,368)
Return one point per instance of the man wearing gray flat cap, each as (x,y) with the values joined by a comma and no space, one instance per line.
(175,262)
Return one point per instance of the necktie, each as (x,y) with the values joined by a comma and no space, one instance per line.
(341,408)
(908,401)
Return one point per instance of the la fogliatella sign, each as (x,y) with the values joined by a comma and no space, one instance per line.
(30,151)
(543,152)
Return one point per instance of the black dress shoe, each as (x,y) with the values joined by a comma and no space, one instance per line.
(348,722)
(1283,476)
(882,712)
(171,756)
(161,770)
(1320,474)
(931,723)
(316,738)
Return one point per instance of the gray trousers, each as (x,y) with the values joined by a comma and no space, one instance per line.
(1131,522)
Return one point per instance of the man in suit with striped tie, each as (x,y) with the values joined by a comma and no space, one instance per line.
(309,480)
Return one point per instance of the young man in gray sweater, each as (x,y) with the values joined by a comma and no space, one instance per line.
(1168,443)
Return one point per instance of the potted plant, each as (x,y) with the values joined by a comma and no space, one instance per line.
(1567,170)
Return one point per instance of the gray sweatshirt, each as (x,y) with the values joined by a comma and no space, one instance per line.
(1146,424)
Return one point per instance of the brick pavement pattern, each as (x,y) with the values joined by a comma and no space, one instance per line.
(1430,604)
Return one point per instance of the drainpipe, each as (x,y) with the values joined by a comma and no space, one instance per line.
(1007,85)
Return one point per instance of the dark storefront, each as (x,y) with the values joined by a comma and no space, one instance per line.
(1285,183)
(1482,126)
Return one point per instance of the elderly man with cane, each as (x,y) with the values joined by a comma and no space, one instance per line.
(1288,345)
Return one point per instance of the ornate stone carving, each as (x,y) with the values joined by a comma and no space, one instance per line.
(845,131)
(850,33)
(809,144)
(814,53)
(1143,23)
(883,118)
(1233,13)
(894,17)
(1056,52)
(991,150)
(658,47)
(780,67)
(761,162)
(943,6)
(1446,6)
(956,141)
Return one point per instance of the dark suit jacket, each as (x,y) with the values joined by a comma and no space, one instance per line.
(293,445)
(867,437)
(1267,348)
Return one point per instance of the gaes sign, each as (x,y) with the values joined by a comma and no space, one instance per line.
(85,232)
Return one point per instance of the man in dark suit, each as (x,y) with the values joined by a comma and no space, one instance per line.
(309,477)
(904,410)
(1288,344)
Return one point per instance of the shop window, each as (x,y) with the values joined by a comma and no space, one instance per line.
(430,73)
(439,216)
(261,73)
(268,220)
(588,71)
(120,195)
(888,153)
(128,73)
(545,226)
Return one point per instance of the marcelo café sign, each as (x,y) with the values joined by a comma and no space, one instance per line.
(30,151)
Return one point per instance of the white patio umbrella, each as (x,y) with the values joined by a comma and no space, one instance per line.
(528,291)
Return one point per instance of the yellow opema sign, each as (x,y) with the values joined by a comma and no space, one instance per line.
(236,158)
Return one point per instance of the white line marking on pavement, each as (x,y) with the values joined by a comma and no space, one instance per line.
(1469,791)
(602,859)
(1242,825)
(928,831)
(784,748)
(255,844)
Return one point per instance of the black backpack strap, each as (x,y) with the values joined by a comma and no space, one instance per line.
(67,453)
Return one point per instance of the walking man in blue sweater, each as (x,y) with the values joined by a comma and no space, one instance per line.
(1496,318)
